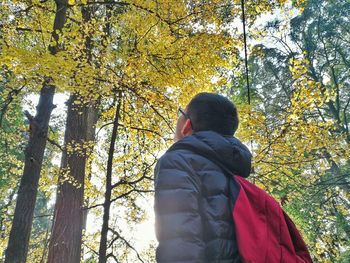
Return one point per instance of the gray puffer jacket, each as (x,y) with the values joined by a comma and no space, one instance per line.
(194,199)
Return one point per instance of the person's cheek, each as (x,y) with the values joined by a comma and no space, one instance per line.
(177,135)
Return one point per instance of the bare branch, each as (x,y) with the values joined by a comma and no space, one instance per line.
(51,141)
(127,243)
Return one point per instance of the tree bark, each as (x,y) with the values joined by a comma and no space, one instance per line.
(108,194)
(65,243)
(17,248)
(70,215)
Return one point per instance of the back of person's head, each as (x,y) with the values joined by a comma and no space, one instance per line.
(213,112)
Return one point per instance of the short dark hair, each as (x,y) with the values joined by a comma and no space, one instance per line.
(213,112)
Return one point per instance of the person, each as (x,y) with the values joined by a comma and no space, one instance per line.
(195,193)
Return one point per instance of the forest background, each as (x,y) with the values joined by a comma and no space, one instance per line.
(89,92)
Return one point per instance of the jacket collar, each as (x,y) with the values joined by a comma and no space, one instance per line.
(227,152)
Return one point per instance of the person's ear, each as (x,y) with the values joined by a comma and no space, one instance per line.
(187,128)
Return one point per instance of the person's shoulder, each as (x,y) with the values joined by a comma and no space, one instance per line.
(173,157)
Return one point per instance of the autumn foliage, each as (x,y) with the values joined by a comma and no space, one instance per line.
(123,68)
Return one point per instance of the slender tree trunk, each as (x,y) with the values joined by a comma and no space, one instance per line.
(18,243)
(108,193)
(17,248)
(65,243)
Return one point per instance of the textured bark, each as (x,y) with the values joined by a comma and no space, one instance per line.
(65,243)
(86,13)
(17,248)
(107,202)
(70,215)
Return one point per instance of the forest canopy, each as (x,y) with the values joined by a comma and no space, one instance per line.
(89,92)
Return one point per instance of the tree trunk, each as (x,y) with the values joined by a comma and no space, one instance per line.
(86,14)
(17,248)
(107,202)
(65,243)
(70,215)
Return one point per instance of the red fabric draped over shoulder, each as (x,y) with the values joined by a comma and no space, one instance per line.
(264,231)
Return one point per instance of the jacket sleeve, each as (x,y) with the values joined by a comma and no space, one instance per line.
(177,211)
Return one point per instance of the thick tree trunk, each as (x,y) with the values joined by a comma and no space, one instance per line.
(18,243)
(70,215)
(65,243)
(87,13)
(17,248)
(107,202)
